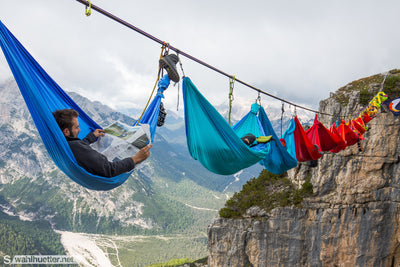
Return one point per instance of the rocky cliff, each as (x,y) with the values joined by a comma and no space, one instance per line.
(353,217)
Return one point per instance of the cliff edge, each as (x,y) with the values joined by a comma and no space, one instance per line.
(353,217)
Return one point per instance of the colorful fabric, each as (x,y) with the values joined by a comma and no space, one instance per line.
(305,150)
(287,139)
(150,115)
(347,133)
(393,105)
(366,118)
(360,121)
(358,127)
(210,138)
(319,135)
(264,139)
(43,95)
(378,99)
(280,158)
(338,139)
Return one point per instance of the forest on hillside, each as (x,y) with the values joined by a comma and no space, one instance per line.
(27,238)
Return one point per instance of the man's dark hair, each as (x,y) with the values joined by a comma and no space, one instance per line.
(248,139)
(64,118)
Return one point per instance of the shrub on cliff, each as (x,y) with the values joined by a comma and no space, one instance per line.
(267,192)
(392,86)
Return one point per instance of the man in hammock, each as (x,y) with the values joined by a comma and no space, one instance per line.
(88,158)
(251,140)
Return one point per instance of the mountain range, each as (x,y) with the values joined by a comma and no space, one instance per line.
(169,193)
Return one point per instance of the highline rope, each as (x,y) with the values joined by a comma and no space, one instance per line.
(123,22)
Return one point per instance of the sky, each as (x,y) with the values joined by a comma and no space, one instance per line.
(297,50)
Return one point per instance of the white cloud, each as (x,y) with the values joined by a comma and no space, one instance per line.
(299,50)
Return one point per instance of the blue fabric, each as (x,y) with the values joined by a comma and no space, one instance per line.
(393,105)
(210,139)
(280,159)
(43,96)
(164,83)
(288,136)
(249,123)
(150,116)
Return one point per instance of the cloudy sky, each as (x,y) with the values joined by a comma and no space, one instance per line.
(297,50)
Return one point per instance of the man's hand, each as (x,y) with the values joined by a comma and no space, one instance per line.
(142,154)
(99,132)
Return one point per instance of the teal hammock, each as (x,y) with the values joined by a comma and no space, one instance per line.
(217,145)
(211,140)
(280,158)
(43,95)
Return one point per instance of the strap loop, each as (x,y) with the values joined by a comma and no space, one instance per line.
(231,98)
(283,111)
(154,88)
(88,10)
(165,48)
(258,100)
(180,63)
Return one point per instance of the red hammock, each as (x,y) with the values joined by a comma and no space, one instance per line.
(338,139)
(319,135)
(366,117)
(358,127)
(361,122)
(347,134)
(305,150)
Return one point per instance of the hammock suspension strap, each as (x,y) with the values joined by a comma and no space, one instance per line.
(231,98)
(164,47)
(88,9)
(283,111)
(258,100)
(183,72)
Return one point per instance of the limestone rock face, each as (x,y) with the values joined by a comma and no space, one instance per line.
(352,220)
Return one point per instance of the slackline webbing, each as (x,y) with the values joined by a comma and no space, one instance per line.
(178,51)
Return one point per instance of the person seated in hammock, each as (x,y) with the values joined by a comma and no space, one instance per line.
(251,140)
(88,158)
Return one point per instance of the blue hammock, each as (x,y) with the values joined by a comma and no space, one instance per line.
(42,95)
(150,115)
(250,123)
(288,136)
(281,158)
(211,140)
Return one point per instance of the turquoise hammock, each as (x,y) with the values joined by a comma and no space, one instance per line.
(279,158)
(211,140)
(218,146)
(250,123)
(43,95)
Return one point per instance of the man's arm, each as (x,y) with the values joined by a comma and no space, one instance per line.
(96,163)
(92,136)
(100,165)
(142,154)
(99,132)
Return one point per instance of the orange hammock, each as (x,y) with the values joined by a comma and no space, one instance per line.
(347,133)
(341,143)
